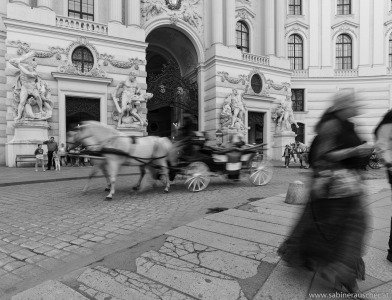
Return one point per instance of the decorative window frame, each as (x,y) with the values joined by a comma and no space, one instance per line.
(351,29)
(353,9)
(82,42)
(96,10)
(302,30)
(388,33)
(244,14)
(264,89)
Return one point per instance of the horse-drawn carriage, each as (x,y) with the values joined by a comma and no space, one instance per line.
(161,157)
(232,162)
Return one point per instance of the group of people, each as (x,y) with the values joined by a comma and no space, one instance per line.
(331,232)
(58,156)
(294,151)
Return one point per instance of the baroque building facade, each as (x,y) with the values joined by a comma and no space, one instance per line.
(193,56)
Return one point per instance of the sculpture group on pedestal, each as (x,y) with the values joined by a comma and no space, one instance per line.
(233,112)
(31,94)
(284,116)
(130,96)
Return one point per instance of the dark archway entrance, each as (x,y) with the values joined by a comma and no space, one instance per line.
(80,109)
(172,78)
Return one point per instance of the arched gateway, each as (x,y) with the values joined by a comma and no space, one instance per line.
(172,77)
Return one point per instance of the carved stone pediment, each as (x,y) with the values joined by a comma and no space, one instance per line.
(244,13)
(297,27)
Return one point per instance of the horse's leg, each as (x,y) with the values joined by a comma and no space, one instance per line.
(91,175)
(165,175)
(142,173)
(106,174)
(113,167)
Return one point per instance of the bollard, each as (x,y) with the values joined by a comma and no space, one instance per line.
(296,194)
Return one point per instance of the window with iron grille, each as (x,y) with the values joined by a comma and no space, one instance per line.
(242,31)
(297,96)
(300,132)
(83,59)
(390,51)
(295,7)
(296,55)
(344,7)
(81,9)
(344,56)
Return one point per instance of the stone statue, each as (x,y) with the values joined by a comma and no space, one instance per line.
(130,95)
(284,115)
(31,93)
(233,112)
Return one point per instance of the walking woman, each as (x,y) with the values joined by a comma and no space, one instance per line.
(330,234)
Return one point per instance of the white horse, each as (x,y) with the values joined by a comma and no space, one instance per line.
(146,152)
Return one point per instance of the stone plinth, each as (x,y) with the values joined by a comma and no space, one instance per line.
(281,139)
(133,131)
(28,134)
(296,194)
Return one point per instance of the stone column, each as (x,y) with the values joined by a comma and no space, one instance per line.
(217,21)
(47,4)
(230,23)
(269,18)
(279,28)
(26,2)
(115,9)
(134,13)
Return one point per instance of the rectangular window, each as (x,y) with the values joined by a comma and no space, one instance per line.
(297,96)
(295,7)
(390,53)
(81,9)
(344,7)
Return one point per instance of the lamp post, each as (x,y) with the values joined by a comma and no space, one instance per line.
(219,137)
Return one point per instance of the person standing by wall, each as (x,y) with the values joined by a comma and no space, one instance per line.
(383,145)
(39,158)
(287,155)
(52,147)
(63,155)
(56,158)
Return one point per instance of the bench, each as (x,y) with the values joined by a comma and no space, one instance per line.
(27,158)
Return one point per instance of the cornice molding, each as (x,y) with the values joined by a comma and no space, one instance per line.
(297,23)
(345,22)
(65,76)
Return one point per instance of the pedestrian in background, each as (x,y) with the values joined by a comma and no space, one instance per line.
(52,147)
(287,155)
(330,234)
(39,158)
(56,158)
(383,145)
(293,152)
(63,155)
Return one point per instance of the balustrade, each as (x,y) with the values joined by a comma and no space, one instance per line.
(79,24)
(258,59)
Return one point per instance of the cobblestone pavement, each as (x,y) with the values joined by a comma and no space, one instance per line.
(49,229)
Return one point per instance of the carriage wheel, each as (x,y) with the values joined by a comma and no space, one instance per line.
(260,171)
(374,162)
(198,176)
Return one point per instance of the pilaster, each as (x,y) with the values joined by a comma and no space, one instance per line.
(115,11)
(269,26)
(134,13)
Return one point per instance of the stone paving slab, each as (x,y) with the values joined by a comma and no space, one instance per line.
(251,224)
(189,278)
(124,285)
(252,235)
(208,257)
(259,217)
(376,264)
(285,283)
(50,290)
(237,246)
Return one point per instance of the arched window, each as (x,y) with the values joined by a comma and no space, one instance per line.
(296,53)
(242,36)
(300,132)
(344,7)
(390,51)
(344,55)
(295,7)
(83,59)
(81,9)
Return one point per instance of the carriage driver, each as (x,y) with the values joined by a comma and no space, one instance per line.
(27,81)
(132,94)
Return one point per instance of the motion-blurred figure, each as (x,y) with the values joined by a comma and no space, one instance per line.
(330,234)
(383,134)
